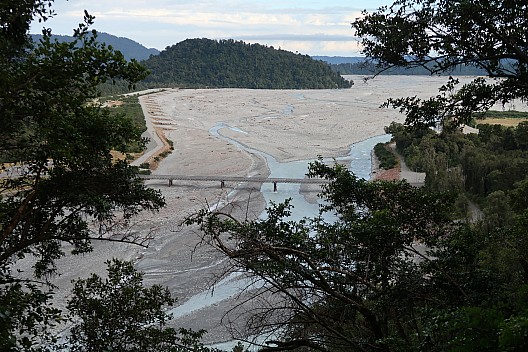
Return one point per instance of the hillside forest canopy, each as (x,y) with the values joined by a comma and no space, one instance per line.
(227,63)
(129,48)
(235,64)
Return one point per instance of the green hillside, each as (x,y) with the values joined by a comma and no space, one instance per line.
(235,64)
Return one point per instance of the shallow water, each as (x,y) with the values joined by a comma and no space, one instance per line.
(359,159)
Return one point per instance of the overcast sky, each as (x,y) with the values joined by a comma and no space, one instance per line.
(309,27)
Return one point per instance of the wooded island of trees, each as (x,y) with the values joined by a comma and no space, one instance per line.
(235,64)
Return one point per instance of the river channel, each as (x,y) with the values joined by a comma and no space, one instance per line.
(359,161)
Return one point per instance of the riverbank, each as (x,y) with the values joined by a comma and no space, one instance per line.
(289,125)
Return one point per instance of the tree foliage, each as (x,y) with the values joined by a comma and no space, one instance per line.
(235,64)
(384,154)
(368,67)
(439,35)
(119,314)
(57,172)
(493,160)
(394,272)
(356,284)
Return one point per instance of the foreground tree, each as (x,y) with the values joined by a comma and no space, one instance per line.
(357,284)
(119,314)
(57,171)
(394,272)
(441,35)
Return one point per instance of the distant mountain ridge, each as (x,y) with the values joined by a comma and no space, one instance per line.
(336,60)
(358,65)
(129,48)
(370,68)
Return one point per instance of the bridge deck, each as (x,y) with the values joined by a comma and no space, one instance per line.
(234,179)
(223,179)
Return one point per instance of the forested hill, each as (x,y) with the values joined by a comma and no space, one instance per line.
(356,65)
(235,64)
(336,60)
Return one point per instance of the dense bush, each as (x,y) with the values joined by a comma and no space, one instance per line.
(386,157)
(235,64)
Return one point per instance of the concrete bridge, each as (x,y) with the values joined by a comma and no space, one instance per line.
(223,179)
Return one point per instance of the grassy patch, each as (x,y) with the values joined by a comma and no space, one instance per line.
(509,118)
(508,122)
(131,108)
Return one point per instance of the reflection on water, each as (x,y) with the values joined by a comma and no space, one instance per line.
(359,160)
(228,287)
(288,110)
(360,155)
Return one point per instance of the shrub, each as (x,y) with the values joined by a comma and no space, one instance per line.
(386,157)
